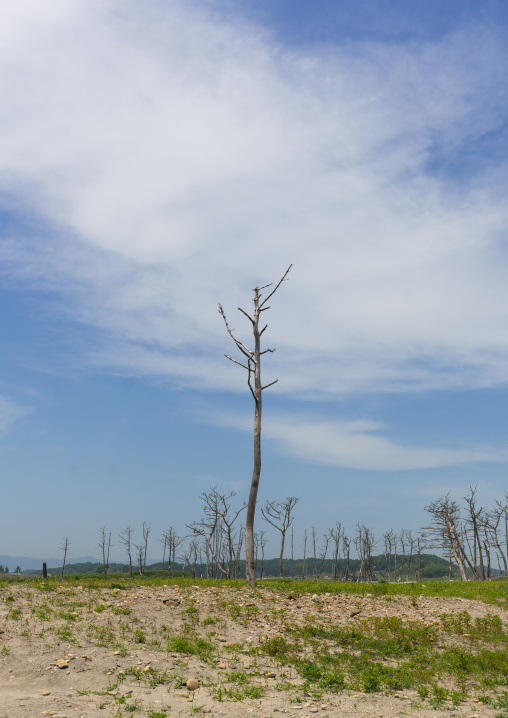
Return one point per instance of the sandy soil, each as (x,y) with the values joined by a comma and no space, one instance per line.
(32,683)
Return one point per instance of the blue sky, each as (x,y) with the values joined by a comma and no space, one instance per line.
(159,157)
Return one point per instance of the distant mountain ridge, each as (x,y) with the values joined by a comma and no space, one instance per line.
(29,563)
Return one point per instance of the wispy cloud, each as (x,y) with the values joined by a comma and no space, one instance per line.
(173,159)
(9,413)
(357,444)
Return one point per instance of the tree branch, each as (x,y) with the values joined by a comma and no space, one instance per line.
(238,343)
(244,312)
(237,362)
(278,285)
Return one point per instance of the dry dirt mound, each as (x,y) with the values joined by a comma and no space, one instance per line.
(140,652)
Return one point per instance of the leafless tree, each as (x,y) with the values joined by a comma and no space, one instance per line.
(252,364)
(407,535)
(105,545)
(364,544)
(279,515)
(217,527)
(142,549)
(146,532)
(493,521)
(475,520)
(191,556)
(262,544)
(292,551)
(64,547)
(304,566)
(346,547)
(445,530)
(172,543)
(125,537)
(319,558)
(390,542)
(336,535)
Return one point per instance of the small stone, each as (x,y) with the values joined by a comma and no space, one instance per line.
(61,663)
(192,684)
(272,674)
(221,666)
(112,693)
(314,710)
(45,692)
(171,602)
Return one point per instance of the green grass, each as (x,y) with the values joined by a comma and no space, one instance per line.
(190,646)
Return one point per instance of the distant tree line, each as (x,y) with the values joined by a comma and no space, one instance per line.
(469,537)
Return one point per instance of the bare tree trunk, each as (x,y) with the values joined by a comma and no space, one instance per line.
(336,535)
(304,554)
(146,533)
(262,542)
(125,537)
(279,516)
(292,552)
(64,547)
(105,545)
(253,366)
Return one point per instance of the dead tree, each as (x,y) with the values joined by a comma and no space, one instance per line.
(172,542)
(142,549)
(191,556)
(146,532)
(105,545)
(304,564)
(346,548)
(364,544)
(408,535)
(493,521)
(279,515)
(252,364)
(262,544)
(319,560)
(125,537)
(474,522)
(217,529)
(445,530)
(139,557)
(64,547)
(336,535)
(390,542)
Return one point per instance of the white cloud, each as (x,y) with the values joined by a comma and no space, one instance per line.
(355,444)
(178,160)
(9,413)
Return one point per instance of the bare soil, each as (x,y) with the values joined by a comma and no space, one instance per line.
(129,623)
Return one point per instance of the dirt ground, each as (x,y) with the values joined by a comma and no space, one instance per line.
(47,670)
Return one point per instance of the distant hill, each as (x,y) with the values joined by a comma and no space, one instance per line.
(25,562)
(432,567)
(31,564)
